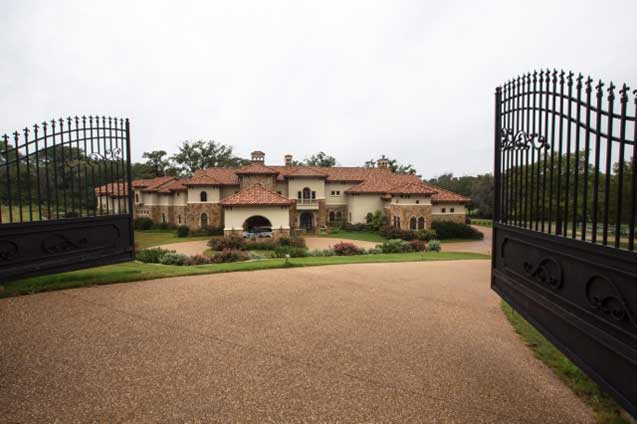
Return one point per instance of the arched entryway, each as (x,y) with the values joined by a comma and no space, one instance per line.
(256,221)
(306,220)
(204,220)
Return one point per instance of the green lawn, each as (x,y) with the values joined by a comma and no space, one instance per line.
(356,235)
(151,238)
(136,271)
(606,409)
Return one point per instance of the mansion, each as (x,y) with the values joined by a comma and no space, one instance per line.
(291,197)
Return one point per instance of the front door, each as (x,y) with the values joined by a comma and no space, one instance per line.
(307,220)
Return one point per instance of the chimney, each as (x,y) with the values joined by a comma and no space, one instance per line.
(383,162)
(288,160)
(258,156)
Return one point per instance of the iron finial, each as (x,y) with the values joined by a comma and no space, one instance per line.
(624,93)
(611,91)
(570,78)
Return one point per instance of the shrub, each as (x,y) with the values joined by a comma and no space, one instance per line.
(434,246)
(357,227)
(291,241)
(151,256)
(347,249)
(418,245)
(293,252)
(229,255)
(390,232)
(376,220)
(162,226)
(234,242)
(450,230)
(374,251)
(198,260)
(322,252)
(172,258)
(143,224)
(392,246)
(426,235)
(209,231)
(183,231)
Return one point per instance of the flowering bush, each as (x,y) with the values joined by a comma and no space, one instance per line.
(347,249)
(234,242)
(229,255)
(418,245)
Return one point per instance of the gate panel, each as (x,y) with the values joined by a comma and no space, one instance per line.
(564,232)
(64,197)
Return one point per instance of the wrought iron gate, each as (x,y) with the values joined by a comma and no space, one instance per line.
(64,201)
(564,233)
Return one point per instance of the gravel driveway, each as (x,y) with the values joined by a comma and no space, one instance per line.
(407,342)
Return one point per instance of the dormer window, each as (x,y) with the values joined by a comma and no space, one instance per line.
(203,196)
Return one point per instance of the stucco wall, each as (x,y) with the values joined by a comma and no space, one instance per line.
(339,199)
(194,194)
(278,216)
(411,200)
(458,208)
(298,184)
(180,198)
(360,205)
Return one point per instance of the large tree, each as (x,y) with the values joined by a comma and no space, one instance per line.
(156,163)
(394,165)
(319,159)
(203,155)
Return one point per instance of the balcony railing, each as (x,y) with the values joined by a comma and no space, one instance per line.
(307,201)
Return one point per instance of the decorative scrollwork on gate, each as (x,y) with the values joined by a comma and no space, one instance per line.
(58,243)
(521,140)
(8,250)
(548,272)
(604,296)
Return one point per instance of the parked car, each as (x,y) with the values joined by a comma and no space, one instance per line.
(258,232)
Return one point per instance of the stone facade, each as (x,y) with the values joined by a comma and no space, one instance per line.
(265,180)
(458,218)
(193,214)
(406,212)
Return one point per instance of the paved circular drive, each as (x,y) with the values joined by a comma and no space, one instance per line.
(405,342)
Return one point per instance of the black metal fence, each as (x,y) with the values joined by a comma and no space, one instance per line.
(564,231)
(55,170)
(64,200)
(568,157)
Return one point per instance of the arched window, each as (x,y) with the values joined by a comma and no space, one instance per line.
(307,193)
(204,220)
(179,219)
(413,223)
(339,215)
(136,197)
(421,223)
(163,218)
(203,196)
(332,216)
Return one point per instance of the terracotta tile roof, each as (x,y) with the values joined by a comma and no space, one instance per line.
(365,180)
(304,171)
(443,196)
(255,168)
(112,189)
(172,186)
(256,195)
(201,178)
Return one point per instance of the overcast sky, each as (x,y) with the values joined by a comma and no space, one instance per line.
(410,79)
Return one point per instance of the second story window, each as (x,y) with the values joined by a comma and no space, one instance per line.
(203,196)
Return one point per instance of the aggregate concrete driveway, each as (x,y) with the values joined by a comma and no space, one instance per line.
(406,342)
